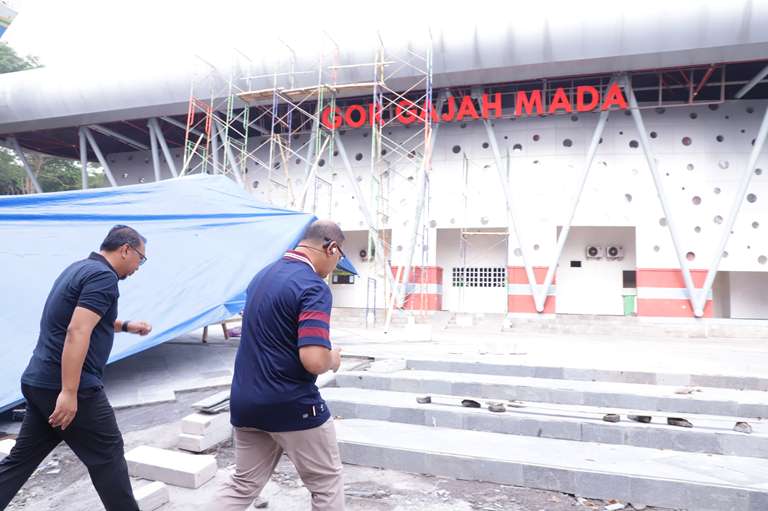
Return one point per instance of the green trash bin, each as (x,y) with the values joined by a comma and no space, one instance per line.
(629,305)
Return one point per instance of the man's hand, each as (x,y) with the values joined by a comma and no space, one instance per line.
(335,359)
(139,327)
(65,411)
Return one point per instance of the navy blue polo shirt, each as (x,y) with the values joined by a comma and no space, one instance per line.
(90,283)
(287,306)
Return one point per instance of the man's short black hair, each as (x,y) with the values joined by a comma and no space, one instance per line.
(323,231)
(121,235)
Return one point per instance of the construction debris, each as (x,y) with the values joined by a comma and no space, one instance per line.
(496,406)
(677,421)
(742,427)
(216,403)
(645,419)
(612,417)
(470,403)
(424,400)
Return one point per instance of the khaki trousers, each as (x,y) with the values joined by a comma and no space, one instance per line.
(314,452)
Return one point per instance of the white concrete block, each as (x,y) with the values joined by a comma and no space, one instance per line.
(390,365)
(202,423)
(151,496)
(200,443)
(6,446)
(171,467)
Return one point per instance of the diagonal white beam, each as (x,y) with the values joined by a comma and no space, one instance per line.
(25,163)
(511,217)
(155,152)
(751,84)
(164,146)
(541,296)
(228,154)
(99,155)
(118,136)
(746,178)
(367,215)
(645,143)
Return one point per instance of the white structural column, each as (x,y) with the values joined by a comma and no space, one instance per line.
(155,151)
(745,179)
(99,155)
(541,296)
(20,153)
(645,143)
(154,125)
(83,158)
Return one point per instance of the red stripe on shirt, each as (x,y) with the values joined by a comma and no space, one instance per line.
(313,332)
(322,316)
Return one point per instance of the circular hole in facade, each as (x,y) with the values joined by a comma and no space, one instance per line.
(662,222)
(456,149)
(484,220)
(725,254)
(255,184)
(693,115)
(696,200)
(697,229)
(518,252)
(463,125)
(433,223)
(536,138)
(751,198)
(656,248)
(762,259)
(686,141)
(399,248)
(574,118)
(621,132)
(654,134)
(758,172)
(660,110)
(383,152)
(567,142)
(359,156)
(713,107)
(718,219)
(633,144)
(298,161)
(689,166)
(717,190)
(335,153)
(742,130)
(723,164)
(485,145)
(320,162)
(690,256)
(506,137)
(452,220)
(750,110)
(628,196)
(755,225)
(719,138)
(536,247)
(517,147)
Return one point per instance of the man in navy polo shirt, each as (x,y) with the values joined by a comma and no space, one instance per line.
(275,404)
(62,383)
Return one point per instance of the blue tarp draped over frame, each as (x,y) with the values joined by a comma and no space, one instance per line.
(206,238)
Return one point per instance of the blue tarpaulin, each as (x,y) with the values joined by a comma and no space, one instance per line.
(206,239)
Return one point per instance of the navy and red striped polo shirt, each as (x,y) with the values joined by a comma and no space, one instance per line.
(287,306)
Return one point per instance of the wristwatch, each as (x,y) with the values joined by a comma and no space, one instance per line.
(124,326)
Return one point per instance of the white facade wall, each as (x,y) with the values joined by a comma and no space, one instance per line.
(700,181)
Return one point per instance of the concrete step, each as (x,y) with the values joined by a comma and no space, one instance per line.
(710,434)
(629,474)
(171,467)
(586,374)
(710,401)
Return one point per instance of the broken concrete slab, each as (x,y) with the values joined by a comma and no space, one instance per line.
(203,424)
(630,474)
(171,467)
(151,496)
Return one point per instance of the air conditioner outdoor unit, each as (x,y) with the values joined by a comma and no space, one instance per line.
(594,251)
(614,252)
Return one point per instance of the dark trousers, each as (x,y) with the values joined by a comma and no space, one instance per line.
(93,436)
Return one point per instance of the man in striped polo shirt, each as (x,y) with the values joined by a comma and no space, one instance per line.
(275,404)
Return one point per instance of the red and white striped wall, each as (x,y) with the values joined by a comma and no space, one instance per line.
(424,290)
(662,292)
(519,298)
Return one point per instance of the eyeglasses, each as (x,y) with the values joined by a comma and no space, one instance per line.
(142,257)
(328,244)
